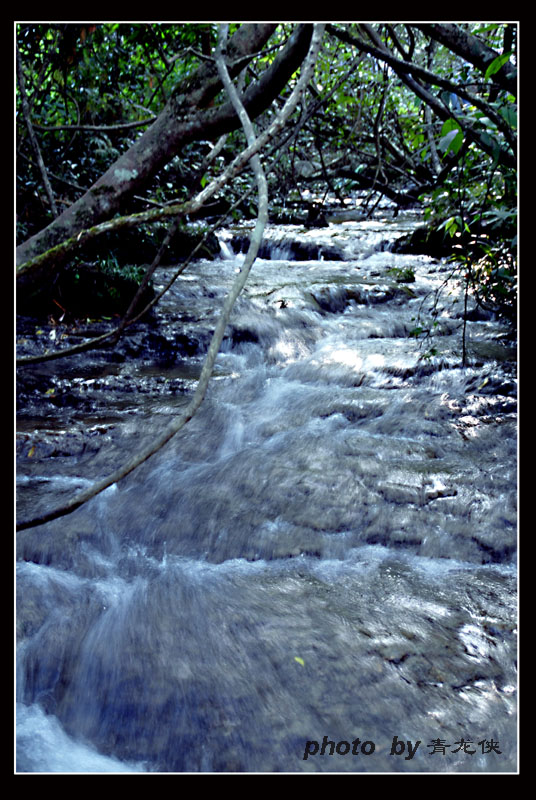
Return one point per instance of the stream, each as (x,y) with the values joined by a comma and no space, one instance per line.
(318,573)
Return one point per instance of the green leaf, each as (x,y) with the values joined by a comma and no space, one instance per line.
(451,136)
(451,225)
(509,113)
(450,125)
(299,660)
(452,141)
(496,64)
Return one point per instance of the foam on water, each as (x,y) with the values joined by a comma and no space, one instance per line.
(44,746)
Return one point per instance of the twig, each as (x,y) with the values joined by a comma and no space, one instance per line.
(33,138)
(118,126)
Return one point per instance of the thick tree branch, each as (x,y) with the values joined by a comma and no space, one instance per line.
(184,119)
(42,264)
(473,50)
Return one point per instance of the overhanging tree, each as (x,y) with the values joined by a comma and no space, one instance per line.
(188,115)
(458,158)
(363,126)
(368,139)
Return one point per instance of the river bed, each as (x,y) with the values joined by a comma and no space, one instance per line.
(318,574)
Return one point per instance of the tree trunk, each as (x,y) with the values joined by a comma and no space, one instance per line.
(184,119)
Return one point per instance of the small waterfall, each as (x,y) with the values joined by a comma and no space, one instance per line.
(226,249)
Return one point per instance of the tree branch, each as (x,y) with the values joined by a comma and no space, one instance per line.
(206,372)
(406,72)
(118,126)
(45,262)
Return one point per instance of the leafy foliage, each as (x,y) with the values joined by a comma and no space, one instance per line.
(439,133)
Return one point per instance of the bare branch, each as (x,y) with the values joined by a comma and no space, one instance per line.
(206,372)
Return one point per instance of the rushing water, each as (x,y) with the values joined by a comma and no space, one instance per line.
(318,573)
